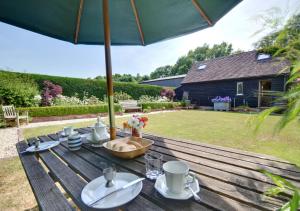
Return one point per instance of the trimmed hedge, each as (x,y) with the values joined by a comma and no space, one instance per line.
(68,110)
(92,86)
(160,105)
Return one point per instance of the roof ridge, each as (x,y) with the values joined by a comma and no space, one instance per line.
(221,57)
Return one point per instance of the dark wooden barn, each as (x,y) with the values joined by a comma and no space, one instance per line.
(249,78)
(172,81)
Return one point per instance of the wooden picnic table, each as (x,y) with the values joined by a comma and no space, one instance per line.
(229,179)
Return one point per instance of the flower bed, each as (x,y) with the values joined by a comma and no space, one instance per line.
(222,103)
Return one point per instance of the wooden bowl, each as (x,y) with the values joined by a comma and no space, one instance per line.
(143,145)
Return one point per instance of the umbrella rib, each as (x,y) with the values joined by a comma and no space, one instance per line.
(201,11)
(137,19)
(78,21)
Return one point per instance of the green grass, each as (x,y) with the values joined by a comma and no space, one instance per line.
(15,191)
(219,128)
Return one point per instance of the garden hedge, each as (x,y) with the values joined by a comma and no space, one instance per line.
(67,110)
(92,86)
(160,105)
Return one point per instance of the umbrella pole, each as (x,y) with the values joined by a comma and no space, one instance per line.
(108,65)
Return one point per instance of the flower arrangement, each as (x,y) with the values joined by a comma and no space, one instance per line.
(136,123)
(220,99)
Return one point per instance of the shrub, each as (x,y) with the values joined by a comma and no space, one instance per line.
(61,100)
(50,91)
(119,96)
(147,98)
(94,87)
(17,90)
(160,105)
(167,92)
(68,110)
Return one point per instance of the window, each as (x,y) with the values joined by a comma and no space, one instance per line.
(239,88)
(202,67)
(263,56)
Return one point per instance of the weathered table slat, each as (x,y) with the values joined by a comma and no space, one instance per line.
(229,179)
(48,195)
(225,189)
(251,159)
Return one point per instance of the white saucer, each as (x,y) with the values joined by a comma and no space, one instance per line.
(63,134)
(88,139)
(96,188)
(43,146)
(161,187)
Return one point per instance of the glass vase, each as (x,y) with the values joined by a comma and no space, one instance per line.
(137,133)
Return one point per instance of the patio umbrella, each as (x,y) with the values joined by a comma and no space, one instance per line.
(113,22)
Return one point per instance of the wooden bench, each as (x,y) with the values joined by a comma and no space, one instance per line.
(10,113)
(130,105)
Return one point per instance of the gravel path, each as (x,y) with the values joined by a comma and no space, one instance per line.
(8,139)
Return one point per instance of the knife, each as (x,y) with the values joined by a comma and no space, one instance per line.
(117,190)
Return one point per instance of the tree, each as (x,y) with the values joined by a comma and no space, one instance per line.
(159,72)
(285,43)
(184,63)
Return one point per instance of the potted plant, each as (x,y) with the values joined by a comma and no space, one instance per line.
(221,103)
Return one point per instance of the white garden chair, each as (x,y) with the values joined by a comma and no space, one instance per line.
(10,113)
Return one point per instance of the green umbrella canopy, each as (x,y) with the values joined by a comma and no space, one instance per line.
(132,22)
(116,22)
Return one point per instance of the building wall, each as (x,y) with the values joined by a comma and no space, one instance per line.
(167,83)
(202,93)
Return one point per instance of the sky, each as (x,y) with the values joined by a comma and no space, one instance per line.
(25,51)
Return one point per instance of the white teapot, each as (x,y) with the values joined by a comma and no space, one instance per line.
(100,128)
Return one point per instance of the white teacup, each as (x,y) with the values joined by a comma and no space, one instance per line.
(177,175)
(68,130)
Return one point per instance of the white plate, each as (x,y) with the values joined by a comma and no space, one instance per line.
(161,187)
(43,146)
(96,188)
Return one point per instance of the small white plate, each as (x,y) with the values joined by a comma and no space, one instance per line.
(96,188)
(161,187)
(43,146)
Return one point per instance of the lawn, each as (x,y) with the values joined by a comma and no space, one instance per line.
(219,128)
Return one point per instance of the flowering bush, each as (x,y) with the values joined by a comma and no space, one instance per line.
(61,100)
(119,96)
(147,99)
(50,91)
(169,93)
(219,99)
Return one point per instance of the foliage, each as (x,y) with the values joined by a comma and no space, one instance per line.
(94,87)
(120,96)
(220,99)
(184,63)
(67,110)
(61,100)
(289,49)
(146,98)
(168,93)
(159,105)
(287,42)
(16,90)
(283,186)
(280,37)
(126,78)
(50,91)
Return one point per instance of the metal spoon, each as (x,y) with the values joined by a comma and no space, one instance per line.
(196,197)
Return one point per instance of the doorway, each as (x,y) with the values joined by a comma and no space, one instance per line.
(265,93)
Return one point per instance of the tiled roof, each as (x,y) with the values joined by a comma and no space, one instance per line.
(242,65)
